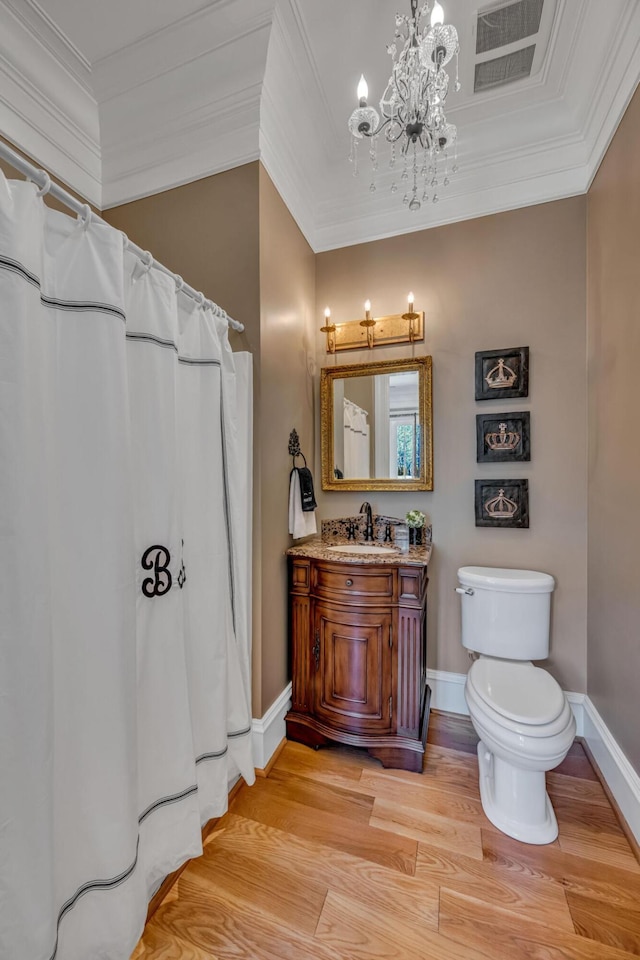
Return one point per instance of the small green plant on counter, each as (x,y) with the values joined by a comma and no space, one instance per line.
(416,518)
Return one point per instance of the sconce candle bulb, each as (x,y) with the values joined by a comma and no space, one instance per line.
(330,330)
(363,91)
(411,316)
(368,323)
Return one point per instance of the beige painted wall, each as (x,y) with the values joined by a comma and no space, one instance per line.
(614,451)
(287,302)
(507,280)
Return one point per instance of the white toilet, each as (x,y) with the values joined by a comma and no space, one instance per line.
(520,713)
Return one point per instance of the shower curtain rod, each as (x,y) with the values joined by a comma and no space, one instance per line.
(42,179)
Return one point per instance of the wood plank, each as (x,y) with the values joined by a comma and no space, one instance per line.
(452,770)
(499,935)
(605,847)
(540,900)
(587,815)
(358,933)
(577,765)
(425,795)
(334,766)
(610,884)
(321,798)
(593,831)
(159,944)
(226,928)
(267,802)
(428,827)
(614,925)
(377,886)
(291,898)
(573,788)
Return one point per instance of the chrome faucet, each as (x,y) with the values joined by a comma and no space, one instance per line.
(366,509)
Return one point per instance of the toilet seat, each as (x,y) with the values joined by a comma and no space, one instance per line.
(531,746)
(520,696)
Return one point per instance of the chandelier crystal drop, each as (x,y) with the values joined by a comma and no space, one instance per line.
(412,117)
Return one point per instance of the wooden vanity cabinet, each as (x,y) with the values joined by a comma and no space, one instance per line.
(358,650)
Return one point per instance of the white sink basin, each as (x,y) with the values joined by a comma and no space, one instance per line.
(363,548)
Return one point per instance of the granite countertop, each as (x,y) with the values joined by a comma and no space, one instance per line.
(318,549)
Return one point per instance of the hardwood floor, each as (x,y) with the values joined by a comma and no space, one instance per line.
(331,857)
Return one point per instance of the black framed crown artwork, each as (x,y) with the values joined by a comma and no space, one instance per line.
(502,503)
(503,437)
(502,374)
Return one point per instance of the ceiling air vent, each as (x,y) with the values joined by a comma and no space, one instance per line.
(495,73)
(500,26)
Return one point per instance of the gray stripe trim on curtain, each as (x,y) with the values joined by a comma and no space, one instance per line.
(82,306)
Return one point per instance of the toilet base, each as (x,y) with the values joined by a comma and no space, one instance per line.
(505,789)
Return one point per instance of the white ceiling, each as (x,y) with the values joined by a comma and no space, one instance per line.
(125,98)
(99,29)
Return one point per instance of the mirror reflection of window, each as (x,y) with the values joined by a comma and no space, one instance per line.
(404,439)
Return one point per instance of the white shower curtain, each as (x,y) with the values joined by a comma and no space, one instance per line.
(357,444)
(125,487)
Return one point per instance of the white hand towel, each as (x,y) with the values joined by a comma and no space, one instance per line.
(301,524)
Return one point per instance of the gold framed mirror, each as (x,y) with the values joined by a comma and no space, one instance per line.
(377,425)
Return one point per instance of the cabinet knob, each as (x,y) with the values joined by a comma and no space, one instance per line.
(349,583)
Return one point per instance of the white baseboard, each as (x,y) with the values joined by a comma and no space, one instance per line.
(270,730)
(447,693)
(621,778)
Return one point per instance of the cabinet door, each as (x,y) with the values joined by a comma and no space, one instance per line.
(353,668)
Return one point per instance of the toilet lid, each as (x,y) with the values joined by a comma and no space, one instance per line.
(518,691)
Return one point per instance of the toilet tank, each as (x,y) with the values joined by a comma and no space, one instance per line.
(505,613)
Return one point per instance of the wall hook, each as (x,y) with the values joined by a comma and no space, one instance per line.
(294,443)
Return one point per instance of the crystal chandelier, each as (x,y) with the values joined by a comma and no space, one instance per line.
(412,118)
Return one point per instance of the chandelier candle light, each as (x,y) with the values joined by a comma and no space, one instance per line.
(412,114)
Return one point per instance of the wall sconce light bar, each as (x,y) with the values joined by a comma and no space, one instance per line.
(355,335)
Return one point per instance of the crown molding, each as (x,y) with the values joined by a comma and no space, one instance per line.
(45,107)
(612,99)
(293,192)
(218,136)
(135,47)
(200,103)
(174,47)
(288,146)
(38,22)
(482,202)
